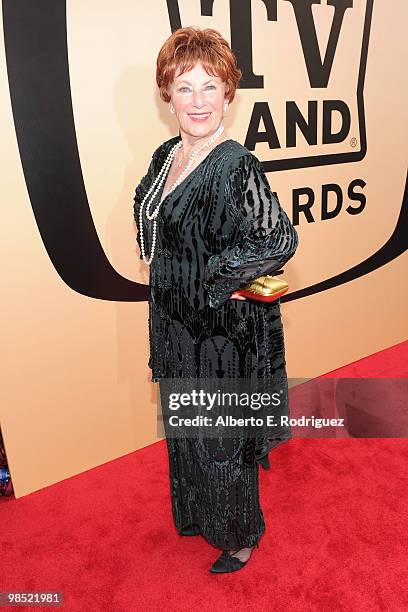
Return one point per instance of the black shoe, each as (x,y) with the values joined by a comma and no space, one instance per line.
(190,530)
(226,563)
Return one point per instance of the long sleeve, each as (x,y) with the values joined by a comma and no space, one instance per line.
(141,191)
(266,238)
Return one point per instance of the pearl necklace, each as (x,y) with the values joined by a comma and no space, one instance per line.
(157,183)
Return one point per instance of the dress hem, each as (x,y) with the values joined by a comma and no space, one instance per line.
(219,542)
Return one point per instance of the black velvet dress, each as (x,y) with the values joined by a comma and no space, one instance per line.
(219,229)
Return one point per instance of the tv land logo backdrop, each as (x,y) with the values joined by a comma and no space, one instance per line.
(86,112)
(323,126)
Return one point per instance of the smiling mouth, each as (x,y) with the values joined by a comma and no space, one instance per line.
(199,115)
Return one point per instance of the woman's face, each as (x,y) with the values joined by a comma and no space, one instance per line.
(198,100)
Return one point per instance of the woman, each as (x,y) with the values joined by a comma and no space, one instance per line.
(208,224)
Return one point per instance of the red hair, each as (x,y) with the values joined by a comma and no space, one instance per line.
(185,47)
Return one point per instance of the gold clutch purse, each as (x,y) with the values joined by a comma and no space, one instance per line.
(264,288)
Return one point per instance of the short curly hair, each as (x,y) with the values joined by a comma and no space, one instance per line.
(185,47)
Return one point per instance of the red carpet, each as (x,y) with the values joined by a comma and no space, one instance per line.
(336,517)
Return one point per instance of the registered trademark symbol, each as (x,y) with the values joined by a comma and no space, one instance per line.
(353,142)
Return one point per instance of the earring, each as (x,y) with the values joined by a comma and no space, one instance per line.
(171,109)
(225,106)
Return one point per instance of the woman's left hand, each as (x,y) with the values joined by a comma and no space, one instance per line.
(237,296)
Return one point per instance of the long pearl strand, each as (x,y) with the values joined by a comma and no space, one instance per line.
(157,183)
